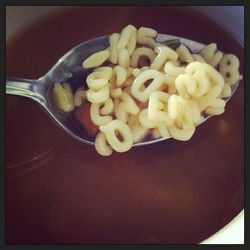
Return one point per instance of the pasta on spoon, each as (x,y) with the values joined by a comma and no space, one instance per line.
(140,88)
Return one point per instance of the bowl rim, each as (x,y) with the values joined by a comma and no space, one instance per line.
(232,233)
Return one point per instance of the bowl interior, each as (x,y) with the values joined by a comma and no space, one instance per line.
(61,191)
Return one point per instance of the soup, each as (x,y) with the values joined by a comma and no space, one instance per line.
(60,191)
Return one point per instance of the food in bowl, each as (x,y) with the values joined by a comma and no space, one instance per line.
(140,89)
(168,193)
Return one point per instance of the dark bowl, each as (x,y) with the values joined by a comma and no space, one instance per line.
(61,191)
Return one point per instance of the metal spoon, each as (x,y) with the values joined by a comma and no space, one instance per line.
(69,69)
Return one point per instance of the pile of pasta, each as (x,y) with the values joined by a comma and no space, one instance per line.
(166,98)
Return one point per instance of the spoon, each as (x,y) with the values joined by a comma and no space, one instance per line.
(68,69)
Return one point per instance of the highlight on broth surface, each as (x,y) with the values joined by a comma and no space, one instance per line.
(148,89)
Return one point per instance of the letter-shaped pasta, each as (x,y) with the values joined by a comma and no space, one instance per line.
(185,85)
(184,54)
(164,53)
(157,107)
(215,107)
(115,128)
(128,39)
(210,54)
(227,91)
(101,145)
(172,69)
(184,113)
(107,108)
(130,104)
(198,58)
(229,66)
(63,97)
(208,51)
(98,96)
(173,106)
(146,36)
(185,117)
(192,85)
(96,59)
(217,103)
(158,80)
(121,75)
(96,118)
(79,96)
(215,60)
(230,75)
(230,60)
(204,101)
(214,76)
(123,58)
(113,41)
(139,52)
(164,99)
(99,78)
(145,122)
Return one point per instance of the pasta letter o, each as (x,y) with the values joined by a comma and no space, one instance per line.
(118,128)
(143,95)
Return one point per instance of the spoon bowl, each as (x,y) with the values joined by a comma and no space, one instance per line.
(68,69)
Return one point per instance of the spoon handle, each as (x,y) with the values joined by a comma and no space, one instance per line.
(25,87)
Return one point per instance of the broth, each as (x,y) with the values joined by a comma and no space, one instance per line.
(61,191)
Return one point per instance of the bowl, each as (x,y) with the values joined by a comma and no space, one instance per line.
(59,191)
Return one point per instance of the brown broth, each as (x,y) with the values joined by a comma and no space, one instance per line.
(61,191)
